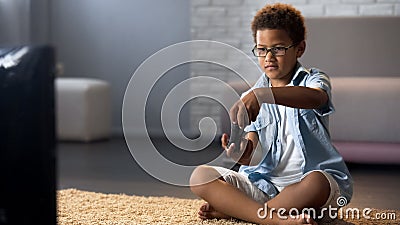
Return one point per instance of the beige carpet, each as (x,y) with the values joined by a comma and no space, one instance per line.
(82,207)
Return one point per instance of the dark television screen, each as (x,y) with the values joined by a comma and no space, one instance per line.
(27,135)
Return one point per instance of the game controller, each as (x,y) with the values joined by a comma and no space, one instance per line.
(237,134)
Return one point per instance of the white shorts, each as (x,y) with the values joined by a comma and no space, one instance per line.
(334,195)
(245,185)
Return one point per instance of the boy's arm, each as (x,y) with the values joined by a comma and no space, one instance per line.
(298,97)
(292,96)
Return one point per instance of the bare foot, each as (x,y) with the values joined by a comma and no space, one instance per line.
(208,212)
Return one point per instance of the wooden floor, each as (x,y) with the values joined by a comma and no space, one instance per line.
(108,167)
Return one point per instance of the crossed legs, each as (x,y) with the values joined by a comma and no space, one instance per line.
(224,200)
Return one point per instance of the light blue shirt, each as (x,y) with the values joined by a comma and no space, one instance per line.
(309,128)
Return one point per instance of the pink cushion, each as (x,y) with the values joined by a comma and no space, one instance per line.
(369,152)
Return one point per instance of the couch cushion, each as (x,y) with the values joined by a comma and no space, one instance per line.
(367,109)
(353,46)
(369,152)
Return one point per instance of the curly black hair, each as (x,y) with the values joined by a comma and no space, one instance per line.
(280,16)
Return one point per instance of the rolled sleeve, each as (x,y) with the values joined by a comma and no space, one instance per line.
(320,80)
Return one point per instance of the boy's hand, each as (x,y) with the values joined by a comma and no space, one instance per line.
(246,109)
(243,156)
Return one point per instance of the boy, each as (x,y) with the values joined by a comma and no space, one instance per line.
(288,161)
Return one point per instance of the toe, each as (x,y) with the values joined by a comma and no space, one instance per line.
(205,207)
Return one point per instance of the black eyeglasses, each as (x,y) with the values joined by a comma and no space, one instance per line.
(276,51)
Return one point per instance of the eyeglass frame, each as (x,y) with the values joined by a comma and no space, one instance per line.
(270,50)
